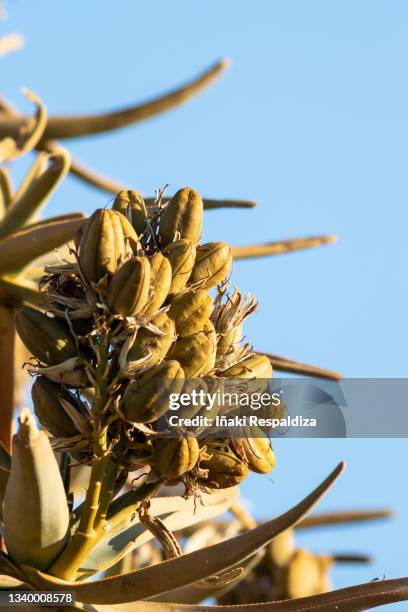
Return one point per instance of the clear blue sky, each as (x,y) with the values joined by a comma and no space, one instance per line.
(311,122)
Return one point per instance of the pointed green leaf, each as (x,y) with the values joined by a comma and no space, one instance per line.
(19,249)
(351,599)
(210,203)
(27,205)
(343,518)
(18,289)
(194,593)
(96,179)
(296,367)
(6,191)
(24,133)
(84,125)
(278,248)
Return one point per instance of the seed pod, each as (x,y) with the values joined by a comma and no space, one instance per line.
(227,343)
(258,453)
(191,385)
(182,217)
(45,337)
(129,288)
(147,399)
(306,574)
(36,515)
(160,282)
(281,549)
(48,409)
(107,238)
(254,366)
(190,311)
(149,342)
(175,456)
(132,206)
(213,263)
(181,255)
(196,353)
(225,470)
(66,373)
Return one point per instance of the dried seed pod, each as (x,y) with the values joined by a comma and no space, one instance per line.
(66,373)
(48,409)
(181,255)
(253,366)
(147,399)
(175,456)
(129,288)
(225,469)
(190,311)
(148,342)
(212,264)
(258,452)
(160,282)
(196,353)
(106,239)
(45,337)
(36,515)
(132,206)
(228,342)
(182,217)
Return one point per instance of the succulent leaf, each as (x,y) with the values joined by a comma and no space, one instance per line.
(280,247)
(19,249)
(27,204)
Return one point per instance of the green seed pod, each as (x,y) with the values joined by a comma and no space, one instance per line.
(225,469)
(45,337)
(190,311)
(36,515)
(227,343)
(191,385)
(129,288)
(105,240)
(182,217)
(160,282)
(254,366)
(48,409)
(148,342)
(147,398)
(258,453)
(175,456)
(196,353)
(181,255)
(132,206)
(213,263)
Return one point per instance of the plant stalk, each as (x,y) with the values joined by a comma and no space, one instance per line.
(101,484)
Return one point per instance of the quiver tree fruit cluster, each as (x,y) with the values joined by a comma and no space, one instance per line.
(129,318)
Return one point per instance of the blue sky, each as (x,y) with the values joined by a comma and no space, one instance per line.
(311,122)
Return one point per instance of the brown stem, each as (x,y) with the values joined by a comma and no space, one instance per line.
(7,344)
